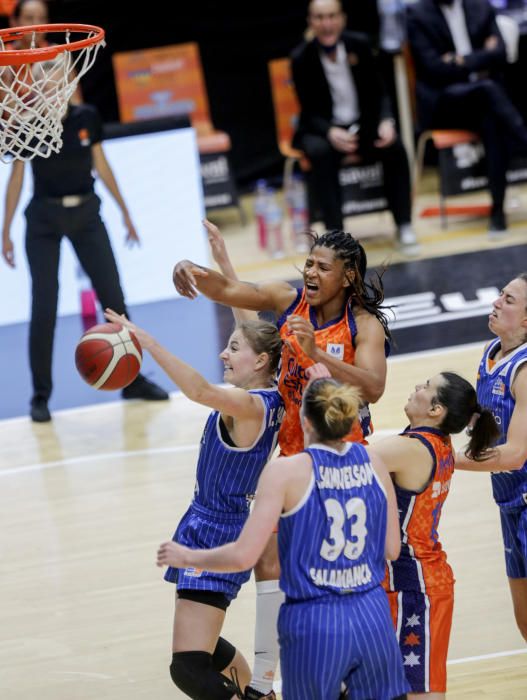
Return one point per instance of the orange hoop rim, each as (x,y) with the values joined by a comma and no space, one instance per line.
(18,57)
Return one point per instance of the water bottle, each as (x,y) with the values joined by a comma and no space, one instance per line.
(298,212)
(392,34)
(273,224)
(260,206)
(88,299)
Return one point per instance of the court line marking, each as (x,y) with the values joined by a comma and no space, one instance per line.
(486,657)
(89,407)
(84,674)
(72,461)
(122,454)
(178,394)
(277,685)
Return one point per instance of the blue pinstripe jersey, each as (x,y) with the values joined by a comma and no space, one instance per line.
(227,476)
(494,392)
(333,541)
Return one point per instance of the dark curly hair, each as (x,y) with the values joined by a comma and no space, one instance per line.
(369,294)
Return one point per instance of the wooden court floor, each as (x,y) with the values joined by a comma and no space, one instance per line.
(85,501)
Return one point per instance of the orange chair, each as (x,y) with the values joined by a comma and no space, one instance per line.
(169,80)
(286,109)
(442,139)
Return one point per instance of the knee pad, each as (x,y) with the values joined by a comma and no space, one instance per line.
(223,654)
(193,673)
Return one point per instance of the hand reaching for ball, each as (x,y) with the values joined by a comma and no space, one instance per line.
(142,336)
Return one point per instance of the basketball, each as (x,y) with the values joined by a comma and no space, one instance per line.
(108,356)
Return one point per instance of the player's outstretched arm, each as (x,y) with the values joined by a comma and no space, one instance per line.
(222,259)
(190,278)
(230,401)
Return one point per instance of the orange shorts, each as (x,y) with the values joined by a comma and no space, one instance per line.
(422,624)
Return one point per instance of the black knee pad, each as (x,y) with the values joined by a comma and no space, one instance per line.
(193,673)
(223,654)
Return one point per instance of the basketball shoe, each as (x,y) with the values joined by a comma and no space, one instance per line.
(143,388)
(407,240)
(39,410)
(497,224)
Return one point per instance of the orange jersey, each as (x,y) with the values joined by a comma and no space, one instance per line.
(337,339)
(422,564)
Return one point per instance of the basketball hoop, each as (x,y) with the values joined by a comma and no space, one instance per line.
(36,85)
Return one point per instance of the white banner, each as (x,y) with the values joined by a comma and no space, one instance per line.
(159,177)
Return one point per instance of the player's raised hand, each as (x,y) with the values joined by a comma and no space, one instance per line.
(145,339)
(171,554)
(217,243)
(184,278)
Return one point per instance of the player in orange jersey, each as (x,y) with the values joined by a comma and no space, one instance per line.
(336,318)
(420,584)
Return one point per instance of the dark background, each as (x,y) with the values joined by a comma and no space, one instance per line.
(236,40)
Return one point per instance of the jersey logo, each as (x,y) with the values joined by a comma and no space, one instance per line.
(336,350)
(84,137)
(192,572)
(498,388)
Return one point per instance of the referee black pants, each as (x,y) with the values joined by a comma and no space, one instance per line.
(48,221)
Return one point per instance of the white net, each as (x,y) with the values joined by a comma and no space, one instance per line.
(34,98)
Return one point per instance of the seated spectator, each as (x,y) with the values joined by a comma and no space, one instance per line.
(459,58)
(345,113)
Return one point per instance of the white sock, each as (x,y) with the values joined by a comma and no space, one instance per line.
(269,598)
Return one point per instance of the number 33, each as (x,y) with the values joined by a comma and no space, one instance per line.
(352,548)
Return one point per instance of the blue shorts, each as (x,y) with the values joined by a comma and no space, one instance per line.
(338,642)
(201,528)
(514,531)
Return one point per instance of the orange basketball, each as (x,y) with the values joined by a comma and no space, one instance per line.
(108,356)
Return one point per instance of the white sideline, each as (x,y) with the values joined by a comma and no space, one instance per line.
(277,685)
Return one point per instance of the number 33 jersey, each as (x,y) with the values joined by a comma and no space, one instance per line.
(333,541)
